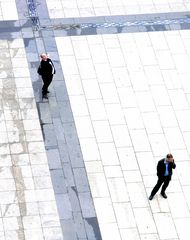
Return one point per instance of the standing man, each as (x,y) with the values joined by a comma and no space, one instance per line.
(164,173)
(46,70)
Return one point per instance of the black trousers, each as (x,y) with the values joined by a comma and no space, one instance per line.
(163,180)
(46,80)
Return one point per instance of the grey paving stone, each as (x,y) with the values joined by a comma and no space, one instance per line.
(8,35)
(50,44)
(49,135)
(9,24)
(54,56)
(110,30)
(45,21)
(75,155)
(141,29)
(40,45)
(54,161)
(65,112)
(87,205)
(68,227)
(60,33)
(92,228)
(27,32)
(63,152)
(57,65)
(58,180)
(54,107)
(35,76)
(185,26)
(79,225)
(69,177)
(176,26)
(60,90)
(73,196)
(30,45)
(81,180)
(64,206)
(37,86)
(59,131)
(32,56)
(24,22)
(45,115)
(70,133)
(59,76)
(88,31)
(47,33)
(98,19)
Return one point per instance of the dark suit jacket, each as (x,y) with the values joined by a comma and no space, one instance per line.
(161,168)
(45,68)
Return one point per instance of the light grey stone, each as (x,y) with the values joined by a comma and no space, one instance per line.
(64,206)
(45,115)
(58,128)
(87,205)
(79,225)
(69,176)
(54,161)
(65,112)
(58,181)
(68,228)
(92,228)
(74,199)
(49,135)
(81,180)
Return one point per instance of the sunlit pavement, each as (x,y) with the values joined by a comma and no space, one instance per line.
(120,101)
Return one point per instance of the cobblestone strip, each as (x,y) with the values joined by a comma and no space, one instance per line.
(68,174)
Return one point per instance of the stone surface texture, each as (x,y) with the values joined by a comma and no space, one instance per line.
(81,165)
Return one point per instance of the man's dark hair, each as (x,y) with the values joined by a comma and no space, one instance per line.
(169,155)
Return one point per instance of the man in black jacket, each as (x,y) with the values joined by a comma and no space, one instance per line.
(164,173)
(46,70)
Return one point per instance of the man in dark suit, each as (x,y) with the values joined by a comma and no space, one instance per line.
(46,70)
(164,173)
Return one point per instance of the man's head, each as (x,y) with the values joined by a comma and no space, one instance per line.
(44,56)
(169,157)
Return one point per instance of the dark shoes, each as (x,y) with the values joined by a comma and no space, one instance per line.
(45,96)
(151,197)
(45,92)
(164,195)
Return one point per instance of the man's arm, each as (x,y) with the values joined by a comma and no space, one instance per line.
(159,168)
(173,165)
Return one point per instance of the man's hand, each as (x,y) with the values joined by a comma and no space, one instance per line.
(170,160)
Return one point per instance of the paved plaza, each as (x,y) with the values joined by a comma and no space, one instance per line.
(81,165)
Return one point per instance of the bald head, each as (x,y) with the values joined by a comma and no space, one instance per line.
(44,56)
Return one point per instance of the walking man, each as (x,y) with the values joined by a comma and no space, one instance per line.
(164,173)
(46,70)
